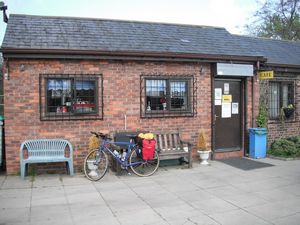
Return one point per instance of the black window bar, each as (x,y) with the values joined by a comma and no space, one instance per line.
(71,97)
(168,96)
(280,95)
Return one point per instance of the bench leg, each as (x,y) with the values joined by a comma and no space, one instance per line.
(23,169)
(190,158)
(70,168)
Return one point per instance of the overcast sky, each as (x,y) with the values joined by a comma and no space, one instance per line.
(231,14)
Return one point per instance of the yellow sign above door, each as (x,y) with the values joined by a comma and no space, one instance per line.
(263,75)
(226,98)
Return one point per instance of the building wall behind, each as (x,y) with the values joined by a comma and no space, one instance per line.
(121,86)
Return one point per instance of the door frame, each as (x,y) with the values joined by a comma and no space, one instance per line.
(242,108)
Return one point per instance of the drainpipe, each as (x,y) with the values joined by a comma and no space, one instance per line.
(246,106)
(253,93)
(125,122)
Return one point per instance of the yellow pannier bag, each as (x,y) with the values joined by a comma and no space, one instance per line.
(141,135)
(149,136)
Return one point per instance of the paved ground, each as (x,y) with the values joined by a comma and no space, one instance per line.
(217,194)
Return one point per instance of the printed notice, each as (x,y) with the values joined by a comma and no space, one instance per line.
(218,93)
(218,102)
(235,108)
(226,98)
(226,88)
(226,110)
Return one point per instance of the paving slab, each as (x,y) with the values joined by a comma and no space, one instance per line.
(215,194)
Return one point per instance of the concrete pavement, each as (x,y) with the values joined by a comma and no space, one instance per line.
(212,195)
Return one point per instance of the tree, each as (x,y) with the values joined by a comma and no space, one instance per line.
(277,19)
(1,86)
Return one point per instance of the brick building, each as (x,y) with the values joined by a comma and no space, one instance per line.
(65,77)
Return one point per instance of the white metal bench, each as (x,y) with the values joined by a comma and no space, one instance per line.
(46,151)
(170,146)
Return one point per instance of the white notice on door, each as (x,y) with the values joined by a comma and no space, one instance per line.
(218,93)
(226,88)
(226,110)
(235,108)
(218,102)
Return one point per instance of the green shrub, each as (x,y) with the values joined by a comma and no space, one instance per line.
(262,117)
(285,148)
(296,140)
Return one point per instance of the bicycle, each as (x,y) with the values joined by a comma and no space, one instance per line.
(96,162)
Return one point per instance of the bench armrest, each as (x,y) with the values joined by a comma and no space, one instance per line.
(186,142)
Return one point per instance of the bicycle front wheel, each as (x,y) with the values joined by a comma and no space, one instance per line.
(140,167)
(95,165)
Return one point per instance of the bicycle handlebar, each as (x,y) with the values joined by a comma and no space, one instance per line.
(99,134)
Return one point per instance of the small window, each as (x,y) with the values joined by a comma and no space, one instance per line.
(166,96)
(71,97)
(281,95)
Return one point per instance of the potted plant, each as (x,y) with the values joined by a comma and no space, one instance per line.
(258,136)
(163,101)
(202,149)
(288,111)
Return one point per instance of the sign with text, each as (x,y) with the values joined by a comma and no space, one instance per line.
(263,75)
(226,98)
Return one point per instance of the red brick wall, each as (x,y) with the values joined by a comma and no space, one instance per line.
(22,117)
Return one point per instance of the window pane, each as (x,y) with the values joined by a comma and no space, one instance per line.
(156,95)
(274,104)
(285,95)
(178,94)
(85,101)
(58,95)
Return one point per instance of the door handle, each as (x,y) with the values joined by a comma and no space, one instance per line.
(216,117)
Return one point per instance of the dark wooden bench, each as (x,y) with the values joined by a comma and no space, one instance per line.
(171,146)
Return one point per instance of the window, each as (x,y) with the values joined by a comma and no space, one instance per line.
(163,96)
(281,94)
(71,97)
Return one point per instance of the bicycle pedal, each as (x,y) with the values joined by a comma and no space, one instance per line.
(129,174)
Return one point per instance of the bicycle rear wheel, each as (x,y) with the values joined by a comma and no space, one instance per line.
(95,165)
(140,167)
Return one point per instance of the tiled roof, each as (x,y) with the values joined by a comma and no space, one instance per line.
(68,33)
(42,32)
(276,51)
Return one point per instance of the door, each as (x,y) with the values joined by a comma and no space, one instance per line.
(227,118)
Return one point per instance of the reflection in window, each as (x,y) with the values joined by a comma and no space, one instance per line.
(167,96)
(178,94)
(156,91)
(70,96)
(281,94)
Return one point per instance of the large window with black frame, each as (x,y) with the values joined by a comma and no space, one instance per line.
(164,96)
(71,97)
(281,99)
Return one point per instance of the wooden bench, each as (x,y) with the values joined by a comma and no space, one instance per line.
(170,146)
(46,151)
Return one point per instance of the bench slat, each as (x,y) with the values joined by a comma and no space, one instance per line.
(171,143)
(160,142)
(165,142)
(177,147)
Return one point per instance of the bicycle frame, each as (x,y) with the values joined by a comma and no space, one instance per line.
(130,147)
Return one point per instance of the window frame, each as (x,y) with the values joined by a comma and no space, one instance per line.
(191,91)
(290,100)
(73,115)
